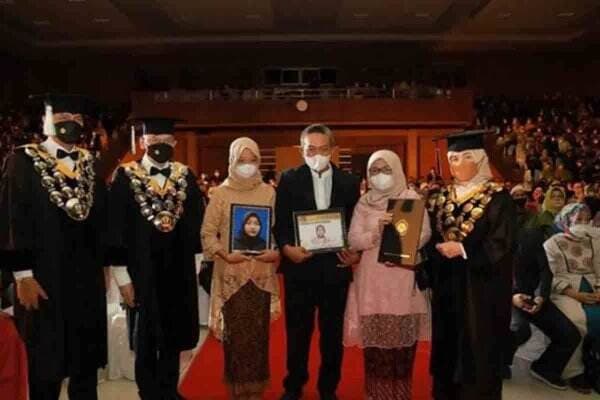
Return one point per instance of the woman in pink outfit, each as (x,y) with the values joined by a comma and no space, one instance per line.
(386,313)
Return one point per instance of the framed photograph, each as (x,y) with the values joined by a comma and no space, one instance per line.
(250,228)
(321,231)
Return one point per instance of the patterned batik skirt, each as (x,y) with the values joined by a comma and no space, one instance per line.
(390,344)
(388,373)
(246,317)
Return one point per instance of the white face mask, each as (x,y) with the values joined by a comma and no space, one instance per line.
(246,170)
(317,163)
(382,182)
(582,230)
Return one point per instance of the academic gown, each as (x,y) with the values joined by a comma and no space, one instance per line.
(471,300)
(161,265)
(67,335)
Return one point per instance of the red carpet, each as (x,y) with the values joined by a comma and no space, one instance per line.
(204,377)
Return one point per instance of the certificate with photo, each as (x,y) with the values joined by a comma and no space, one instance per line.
(250,228)
(322,231)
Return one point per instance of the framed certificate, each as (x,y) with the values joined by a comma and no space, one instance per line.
(400,239)
(322,231)
(250,228)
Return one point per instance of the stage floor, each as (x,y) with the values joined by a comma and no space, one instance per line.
(522,386)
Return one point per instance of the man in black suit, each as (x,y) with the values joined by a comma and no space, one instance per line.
(318,281)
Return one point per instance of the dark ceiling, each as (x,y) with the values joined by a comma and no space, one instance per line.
(448,25)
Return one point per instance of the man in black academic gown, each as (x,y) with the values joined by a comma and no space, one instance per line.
(314,281)
(52,209)
(470,260)
(156,211)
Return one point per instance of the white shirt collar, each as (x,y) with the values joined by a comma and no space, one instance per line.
(324,175)
(148,163)
(52,147)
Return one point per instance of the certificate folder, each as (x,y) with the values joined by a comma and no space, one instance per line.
(400,239)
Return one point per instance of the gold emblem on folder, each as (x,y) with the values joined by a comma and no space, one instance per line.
(402,227)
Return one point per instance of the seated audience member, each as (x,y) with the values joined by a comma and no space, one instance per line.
(532,304)
(578,192)
(554,201)
(519,193)
(537,198)
(573,257)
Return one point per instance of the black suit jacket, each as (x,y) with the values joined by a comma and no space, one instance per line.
(296,193)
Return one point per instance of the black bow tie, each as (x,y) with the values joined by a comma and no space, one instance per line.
(165,171)
(60,154)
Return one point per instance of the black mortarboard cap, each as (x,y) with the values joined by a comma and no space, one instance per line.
(466,140)
(64,103)
(151,126)
(55,103)
(156,125)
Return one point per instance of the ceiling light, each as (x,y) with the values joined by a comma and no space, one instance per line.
(504,15)
(253,16)
(101,20)
(361,15)
(42,22)
(422,15)
(567,14)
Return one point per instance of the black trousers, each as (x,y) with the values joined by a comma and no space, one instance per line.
(156,370)
(81,387)
(302,300)
(553,323)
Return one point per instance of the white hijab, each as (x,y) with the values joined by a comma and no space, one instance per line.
(376,198)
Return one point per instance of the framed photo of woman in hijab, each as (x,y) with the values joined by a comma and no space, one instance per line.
(321,231)
(250,228)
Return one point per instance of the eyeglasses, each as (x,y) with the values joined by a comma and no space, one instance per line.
(322,150)
(375,171)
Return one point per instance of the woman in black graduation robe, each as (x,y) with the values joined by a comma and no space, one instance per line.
(67,335)
(471,297)
(161,264)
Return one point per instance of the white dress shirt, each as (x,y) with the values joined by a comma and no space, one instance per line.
(52,148)
(148,163)
(322,185)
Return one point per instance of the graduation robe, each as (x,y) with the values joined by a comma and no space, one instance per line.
(67,335)
(161,264)
(471,299)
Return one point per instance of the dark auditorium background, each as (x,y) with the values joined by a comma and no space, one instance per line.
(160,56)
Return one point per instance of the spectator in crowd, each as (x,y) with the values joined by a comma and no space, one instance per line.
(519,193)
(532,304)
(574,262)
(554,201)
(578,191)
(536,199)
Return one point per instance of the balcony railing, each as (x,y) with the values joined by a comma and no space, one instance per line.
(286,93)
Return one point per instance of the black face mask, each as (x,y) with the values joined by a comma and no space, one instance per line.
(520,202)
(160,152)
(68,132)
